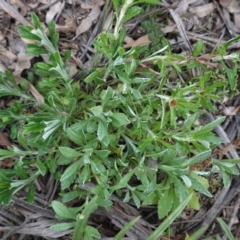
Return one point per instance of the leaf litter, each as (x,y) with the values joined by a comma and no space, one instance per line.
(78,23)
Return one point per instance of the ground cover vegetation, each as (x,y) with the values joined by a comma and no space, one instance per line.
(129,128)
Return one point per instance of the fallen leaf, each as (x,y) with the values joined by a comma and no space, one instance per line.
(204,10)
(234,7)
(35,93)
(53,10)
(7,54)
(144,40)
(13,13)
(4,140)
(87,22)
(23,62)
(182,7)
(237,20)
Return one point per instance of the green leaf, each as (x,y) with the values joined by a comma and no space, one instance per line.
(226,178)
(106,95)
(35,50)
(69,174)
(95,75)
(69,152)
(63,226)
(136,200)
(198,48)
(41,167)
(124,180)
(165,203)
(198,186)
(119,119)
(126,227)
(97,111)
(51,126)
(196,159)
(131,12)
(25,32)
(62,211)
(149,1)
(31,193)
(36,21)
(226,229)
(84,175)
(168,221)
(83,218)
(102,130)
(93,232)
(22,140)
(194,202)
(71,195)
(198,233)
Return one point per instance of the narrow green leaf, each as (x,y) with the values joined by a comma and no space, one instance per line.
(136,200)
(163,226)
(83,218)
(124,230)
(62,226)
(226,229)
(30,194)
(102,130)
(198,233)
(196,159)
(41,167)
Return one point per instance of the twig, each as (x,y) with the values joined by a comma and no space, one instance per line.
(234,215)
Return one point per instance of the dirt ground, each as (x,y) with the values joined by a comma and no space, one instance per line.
(78,24)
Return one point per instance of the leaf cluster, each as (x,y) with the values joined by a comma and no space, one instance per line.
(123,136)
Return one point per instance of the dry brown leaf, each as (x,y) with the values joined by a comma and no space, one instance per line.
(182,7)
(4,140)
(23,62)
(229,111)
(53,10)
(87,22)
(69,26)
(237,20)
(108,22)
(2,68)
(91,4)
(234,6)
(169,28)
(34,4)
(144,40)
(7,54)
(72,69)
(204,10)
(7,163)
(35,93)
(13,13)
(128,40)
(20,5)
